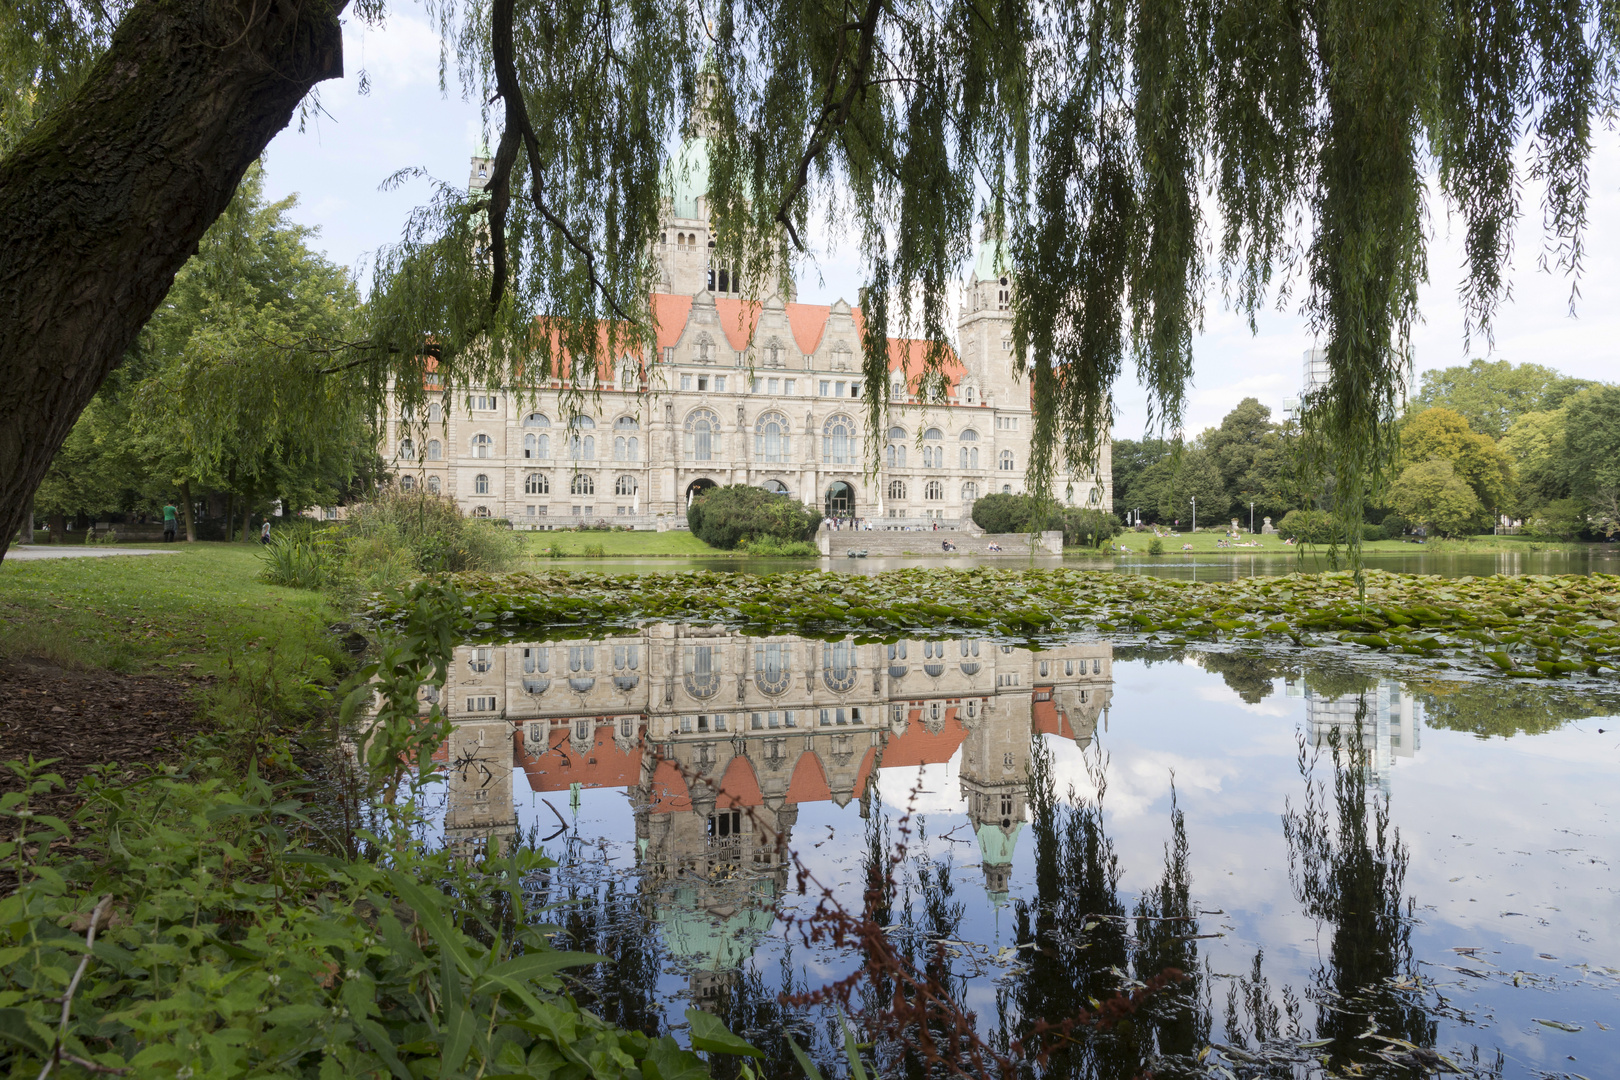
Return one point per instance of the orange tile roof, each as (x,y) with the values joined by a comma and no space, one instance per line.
(809,782)
(919,746)
(556,766)
(739,786)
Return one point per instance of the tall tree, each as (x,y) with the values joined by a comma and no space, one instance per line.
(1492,396)
(1592,455)
(1475,458)
(1084,132)
(1254,459)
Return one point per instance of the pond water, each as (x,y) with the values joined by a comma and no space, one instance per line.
(1222,566)
(1057,828)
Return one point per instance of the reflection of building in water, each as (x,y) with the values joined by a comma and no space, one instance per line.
(721,737)
(1387,729)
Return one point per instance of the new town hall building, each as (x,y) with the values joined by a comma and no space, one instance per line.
(740,392)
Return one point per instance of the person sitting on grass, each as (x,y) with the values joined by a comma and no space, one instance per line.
(1186,547)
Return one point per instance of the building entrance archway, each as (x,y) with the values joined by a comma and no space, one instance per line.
(698,487)
(776,487)
(840,500)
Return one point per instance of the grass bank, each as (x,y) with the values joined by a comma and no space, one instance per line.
(1211,543)
(570,544)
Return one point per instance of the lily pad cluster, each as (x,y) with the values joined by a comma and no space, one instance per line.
(1527,626)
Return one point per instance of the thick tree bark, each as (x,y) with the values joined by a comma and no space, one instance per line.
(108,196)
(27,533)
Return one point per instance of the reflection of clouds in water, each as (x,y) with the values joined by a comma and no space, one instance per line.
(941,788)
(1273,706)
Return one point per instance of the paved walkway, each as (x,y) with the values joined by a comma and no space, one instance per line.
(79,551)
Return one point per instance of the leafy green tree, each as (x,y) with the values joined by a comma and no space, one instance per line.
(1535,445)
(1131,459)
(1102,141)
(724,517)
(1253,457)
(1195,477)
(1493,396)
(1431,494)
(1592,455)
(1475,458)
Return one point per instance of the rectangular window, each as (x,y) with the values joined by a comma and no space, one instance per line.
(480,704)
(531,511)
(787,387)
(574,510)
(686,725)
(703,723)
(775,720)
(719,384)
(720,723)
(773,383)
(686,381)
(826,718)
(757,722)
(590,511)
(623,510)
(787,719)
(542,510)
(826,387)
(757,382)
(703,382)
(855,716)
(854,389)
(841,385)
(669,354)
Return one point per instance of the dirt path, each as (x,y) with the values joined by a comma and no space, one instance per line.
(90,718)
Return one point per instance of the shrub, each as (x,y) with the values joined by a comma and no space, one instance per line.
(1562,519)
(724,517)
(1155,546)
(1431,494)
(1394,525)
(1307,526)
(1370,533)
(772,548)
(1089,527)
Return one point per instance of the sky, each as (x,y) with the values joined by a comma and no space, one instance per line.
(340,159)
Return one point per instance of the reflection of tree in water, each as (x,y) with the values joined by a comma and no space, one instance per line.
(1505,708)
(1079,942)
(1348,869)
(1251,676)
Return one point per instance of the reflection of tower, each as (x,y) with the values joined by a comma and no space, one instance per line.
(995,784)
(1387,728)
(478,802)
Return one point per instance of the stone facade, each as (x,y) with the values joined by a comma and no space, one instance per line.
(741,392)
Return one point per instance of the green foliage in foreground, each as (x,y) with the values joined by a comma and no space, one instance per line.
(725,517)
(1522,626)
(386,542)
(231,941)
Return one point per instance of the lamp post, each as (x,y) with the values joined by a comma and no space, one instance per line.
(1195,512)
(1251,517)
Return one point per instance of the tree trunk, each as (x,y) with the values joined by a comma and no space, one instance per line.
(28,522)
(191,517)
(107,197)
(247,518)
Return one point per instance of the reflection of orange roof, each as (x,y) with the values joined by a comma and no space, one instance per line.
(809,783)
(667,792)
(739,786)
(558,766)
(919,746)
(865,772)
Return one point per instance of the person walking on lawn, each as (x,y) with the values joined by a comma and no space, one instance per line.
(170,516)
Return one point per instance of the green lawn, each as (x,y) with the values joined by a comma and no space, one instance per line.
(203,607)
(675,542)
(1209,542)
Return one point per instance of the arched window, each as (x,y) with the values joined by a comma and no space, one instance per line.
(703,439)
(536,446)
(935,491)
(535,419)
(625,485)
(433,485)
(933,434)
(482,446)
(481,484)
(626,423)
(838,441)
(582,447)
(435,452)
(967,395)
(772,443)
(582,422)
(407,483)
(969,436)
(536,484)
(480,512)
(435,413)
(582,484)
(897,489)
(771,668)
(1006,461)
(838,665)
(969,457)
(407,449)
(970,491)
(895,454)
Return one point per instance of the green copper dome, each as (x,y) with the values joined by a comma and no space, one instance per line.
(686,179)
